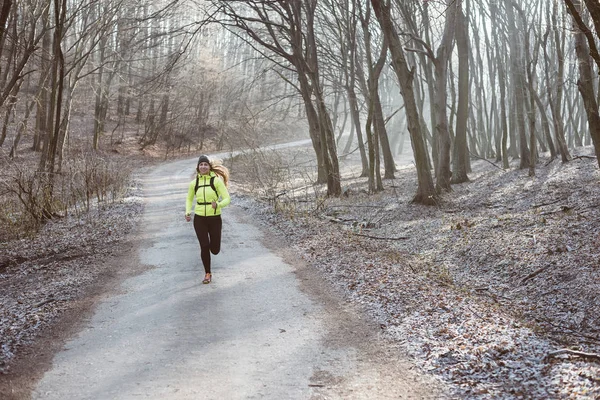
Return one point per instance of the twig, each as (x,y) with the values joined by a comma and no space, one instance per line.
(486,160)
(383,238)
(593,206)
(411,267)
(475,313)
(534,274)
(546,204)
(589,356)
(494,296)
(339,220)
(355,206)
(561,209)
(273,198)
(562,329)
(392,114)
(41,303)
(590,157)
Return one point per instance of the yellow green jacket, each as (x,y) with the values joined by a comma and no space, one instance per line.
(206,195)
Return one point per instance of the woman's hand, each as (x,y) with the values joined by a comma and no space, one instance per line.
(188,217)
(214,205)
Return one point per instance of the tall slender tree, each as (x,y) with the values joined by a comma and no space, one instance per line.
(286,30)
(586,50)
(426,193)
(461,149)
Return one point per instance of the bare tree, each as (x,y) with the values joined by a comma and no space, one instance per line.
(426,193)
(18,44)
(517,74)
(346,21)
(574,7)
(4,13)
(586,49)
(461,150)
(441,60)
(371,90)
(285,29)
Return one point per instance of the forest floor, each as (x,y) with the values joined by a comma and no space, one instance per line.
(495,291)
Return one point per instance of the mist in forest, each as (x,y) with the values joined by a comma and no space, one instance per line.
(445,80)
(433,161)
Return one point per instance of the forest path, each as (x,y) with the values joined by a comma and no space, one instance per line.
(266,327)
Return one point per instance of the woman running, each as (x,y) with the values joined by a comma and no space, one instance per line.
(210,190)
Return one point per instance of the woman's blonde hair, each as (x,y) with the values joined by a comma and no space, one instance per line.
(216,166)
(221,170)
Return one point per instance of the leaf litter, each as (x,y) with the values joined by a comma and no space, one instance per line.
(480,290)
(42,277)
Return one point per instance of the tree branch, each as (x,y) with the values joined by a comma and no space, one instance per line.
(589,356)
(586,31)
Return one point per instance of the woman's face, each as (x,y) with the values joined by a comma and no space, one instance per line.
(203,168)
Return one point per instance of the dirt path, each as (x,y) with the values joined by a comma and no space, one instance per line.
(266,327)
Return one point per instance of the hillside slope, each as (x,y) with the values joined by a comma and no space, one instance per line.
(481,290)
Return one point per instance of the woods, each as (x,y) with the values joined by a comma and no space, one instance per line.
(496,80)
(491,105)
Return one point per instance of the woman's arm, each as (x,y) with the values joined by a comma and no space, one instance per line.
(189,201)
(223,193)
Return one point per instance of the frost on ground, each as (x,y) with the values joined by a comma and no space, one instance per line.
(483,290)
(41,278)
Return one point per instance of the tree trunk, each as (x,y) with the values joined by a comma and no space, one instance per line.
(517,73)
(459,174)
(371,89)
(22,128)
(310,67)
(355,113)
(4,13)
(503,117)
(388,158)
(41,116)
(10,106)
(426,193)
(58,83)
(573,7)
(586,88)
(427,68)
(444,51)
(314,129)
(555,98)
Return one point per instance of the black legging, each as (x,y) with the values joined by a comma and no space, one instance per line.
(208,231)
